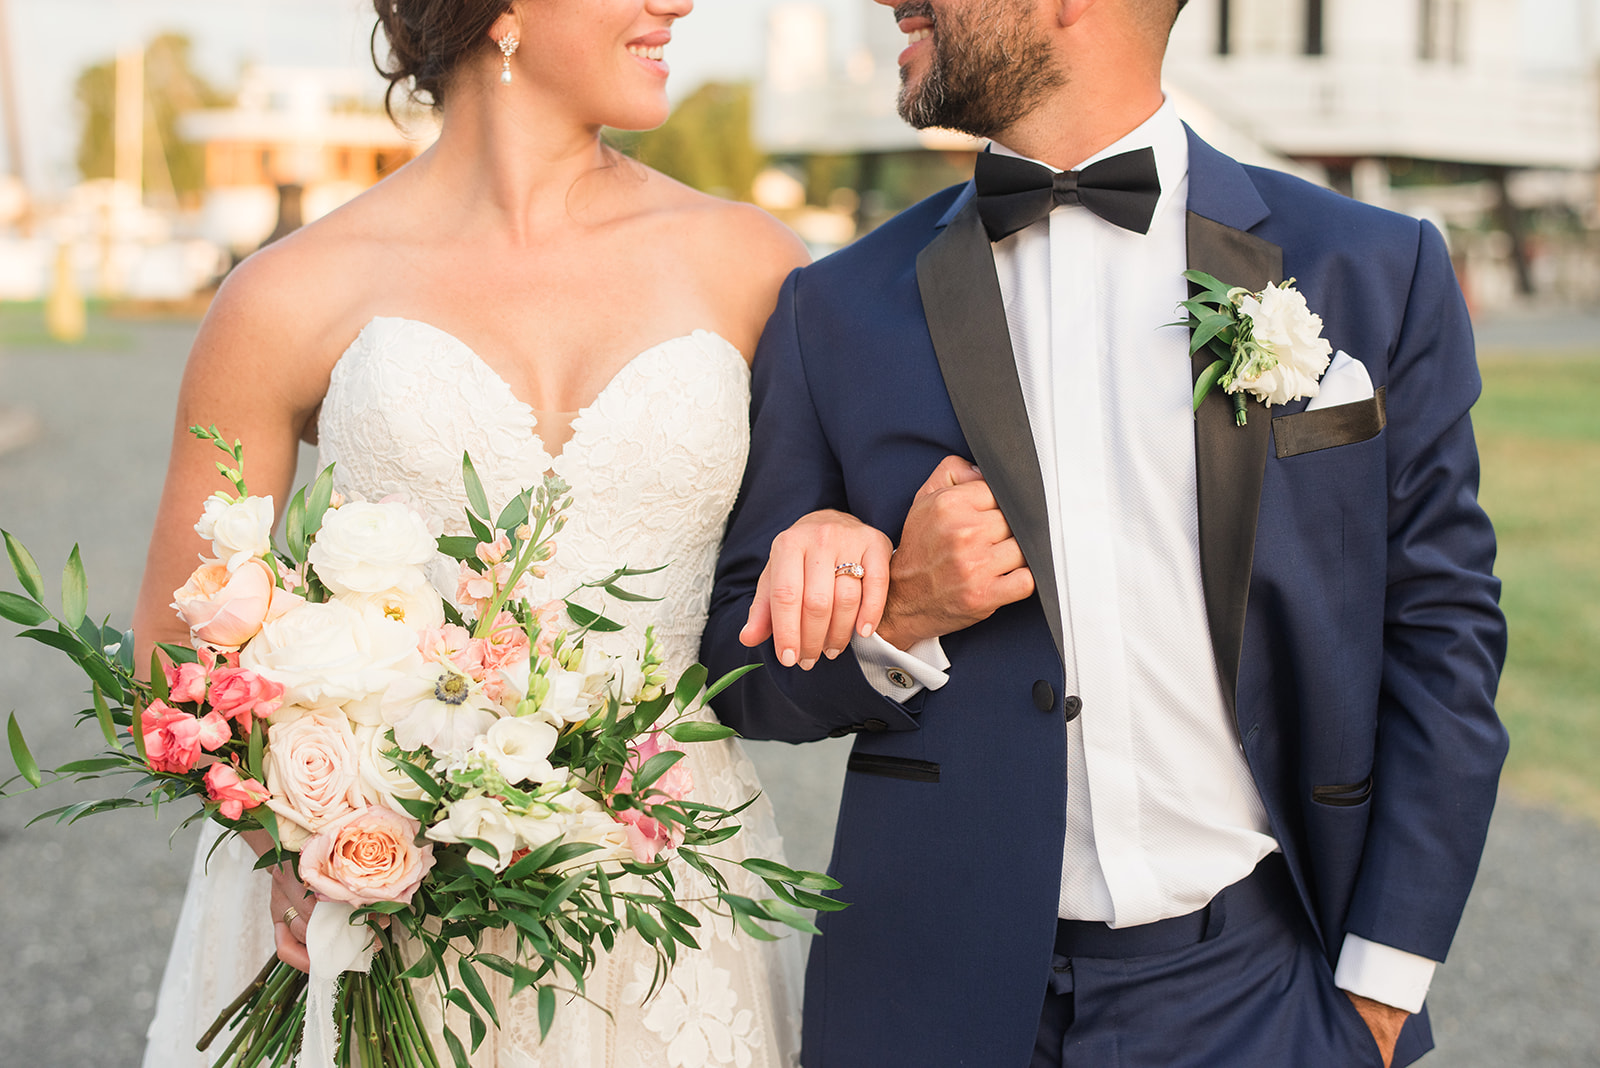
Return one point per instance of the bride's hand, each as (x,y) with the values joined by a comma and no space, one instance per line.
(289,930)
(804,603)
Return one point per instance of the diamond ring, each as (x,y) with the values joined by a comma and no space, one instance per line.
(852,569)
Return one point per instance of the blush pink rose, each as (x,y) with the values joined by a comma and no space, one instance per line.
(187,682)
(313,769)
(226,610)
(175,740)
(236,794)
(241,695)
(366,857)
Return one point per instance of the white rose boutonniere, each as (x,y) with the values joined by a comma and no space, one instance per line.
(1269,344)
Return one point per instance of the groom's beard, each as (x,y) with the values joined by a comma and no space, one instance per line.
(990,67)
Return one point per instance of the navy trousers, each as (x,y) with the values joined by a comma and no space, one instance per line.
(1240,984)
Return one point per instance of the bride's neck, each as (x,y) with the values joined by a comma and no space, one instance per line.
(510,165)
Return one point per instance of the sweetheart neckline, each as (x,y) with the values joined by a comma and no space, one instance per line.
(575,426)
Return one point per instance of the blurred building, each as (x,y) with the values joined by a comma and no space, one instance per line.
(310,134)
(1434,107)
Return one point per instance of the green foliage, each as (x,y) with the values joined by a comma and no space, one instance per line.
(171,88)
(707,143)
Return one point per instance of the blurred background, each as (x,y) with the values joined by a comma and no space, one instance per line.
(146,146)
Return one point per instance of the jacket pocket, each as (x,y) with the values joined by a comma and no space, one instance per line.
(1343,795)
(894,767)
(1327,428)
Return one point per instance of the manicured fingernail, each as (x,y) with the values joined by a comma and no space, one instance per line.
(787,657)
(866,630)
(807,665)
(831,654)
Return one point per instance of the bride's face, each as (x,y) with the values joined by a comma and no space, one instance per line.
(605,60)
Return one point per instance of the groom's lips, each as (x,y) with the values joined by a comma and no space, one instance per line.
(920,31)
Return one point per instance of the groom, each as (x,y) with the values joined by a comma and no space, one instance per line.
(1176,744)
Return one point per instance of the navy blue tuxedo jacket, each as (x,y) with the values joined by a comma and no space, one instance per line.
(1348,584)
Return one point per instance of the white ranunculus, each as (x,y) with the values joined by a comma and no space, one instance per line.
(438,707)
(313,769)
(520,748)
(373,548)
(565,700)
(238,531)
(418,607)
(381,781)
(331,653)
(1281,322)
(482,818)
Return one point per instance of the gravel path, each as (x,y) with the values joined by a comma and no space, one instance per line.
(86,912)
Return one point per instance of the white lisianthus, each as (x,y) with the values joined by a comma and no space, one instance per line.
(331,653)
(238,531)
(519,748)
(373,548)
(583,819)
(1282,324)
(381,780)
(438,707)
(564,699)
(418,607)
(484,819)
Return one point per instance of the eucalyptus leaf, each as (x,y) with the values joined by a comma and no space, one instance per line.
(689,686)
(23,564)
(547,1010)
(729,679)
(178,654)
(294,526)
(474,984)
(590,620)
(1207,382)
(67,642)
(459,548)
(698,731)
(653,769)
(20,754)
(74,590)
(102,712)
(318,501)
(19,609)
(476,498)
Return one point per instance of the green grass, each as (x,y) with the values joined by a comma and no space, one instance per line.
(1538,430)
(22,326)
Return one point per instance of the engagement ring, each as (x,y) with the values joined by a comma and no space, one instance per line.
(854,570)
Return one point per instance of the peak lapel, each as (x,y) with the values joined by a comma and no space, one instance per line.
(967,321)
(1230,460)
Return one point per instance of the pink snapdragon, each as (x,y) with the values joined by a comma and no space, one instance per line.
(456,646)
(241,695)
(236,794)
(507,645)
(480,590)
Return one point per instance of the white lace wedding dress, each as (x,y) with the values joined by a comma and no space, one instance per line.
(654,465)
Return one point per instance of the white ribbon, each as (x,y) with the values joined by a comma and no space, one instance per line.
(335,947)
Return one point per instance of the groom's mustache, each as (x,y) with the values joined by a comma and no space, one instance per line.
(917,9)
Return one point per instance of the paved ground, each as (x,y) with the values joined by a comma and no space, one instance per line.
(86,912)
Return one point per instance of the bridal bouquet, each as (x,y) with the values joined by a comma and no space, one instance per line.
(434,768)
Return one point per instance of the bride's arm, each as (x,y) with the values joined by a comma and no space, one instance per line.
(251,374)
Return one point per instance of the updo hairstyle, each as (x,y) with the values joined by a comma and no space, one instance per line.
(428,42)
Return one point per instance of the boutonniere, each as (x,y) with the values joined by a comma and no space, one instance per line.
(1269,344)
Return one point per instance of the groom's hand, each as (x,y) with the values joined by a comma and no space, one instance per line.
(957,562)
(1384,1021)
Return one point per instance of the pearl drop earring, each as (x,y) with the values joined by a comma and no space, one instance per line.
(508,48)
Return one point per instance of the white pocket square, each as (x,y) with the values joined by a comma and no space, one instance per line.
(1345,382)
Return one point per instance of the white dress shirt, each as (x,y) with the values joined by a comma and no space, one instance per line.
(1162,811)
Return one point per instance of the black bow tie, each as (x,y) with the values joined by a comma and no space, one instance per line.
(1013,194)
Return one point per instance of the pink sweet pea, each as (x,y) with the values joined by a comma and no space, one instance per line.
(187,682)
(236,794)
(172,739)
(240,694)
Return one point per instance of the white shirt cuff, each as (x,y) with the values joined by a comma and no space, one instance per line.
(1383,973)
(899,674)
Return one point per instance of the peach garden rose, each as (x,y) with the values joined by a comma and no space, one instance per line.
(366,857)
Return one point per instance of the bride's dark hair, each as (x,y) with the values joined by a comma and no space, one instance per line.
(429,40)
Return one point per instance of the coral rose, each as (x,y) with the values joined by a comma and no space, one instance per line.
(241,695)
(236,794)
(187,682)
(175,740)
(365,858)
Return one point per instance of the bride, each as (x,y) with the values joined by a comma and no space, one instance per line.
(522,293)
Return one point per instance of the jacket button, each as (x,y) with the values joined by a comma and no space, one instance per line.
(876,726)
(1044,696)
(1074,706)
(839,732)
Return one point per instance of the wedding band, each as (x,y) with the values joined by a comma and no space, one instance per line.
(854,570)
(290,914)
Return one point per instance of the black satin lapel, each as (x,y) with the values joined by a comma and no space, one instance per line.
(967,320)
(1230,459)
